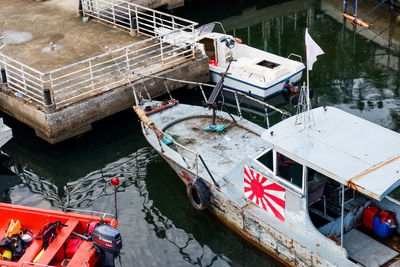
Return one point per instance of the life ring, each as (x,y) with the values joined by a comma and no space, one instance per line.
(199,194)
(239,41)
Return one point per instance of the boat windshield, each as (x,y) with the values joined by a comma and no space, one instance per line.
(289,170)
(267,160)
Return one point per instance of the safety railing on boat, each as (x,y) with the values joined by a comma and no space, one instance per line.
(35,264)
(170,41)
(295,55)
(45,265)
(90,212)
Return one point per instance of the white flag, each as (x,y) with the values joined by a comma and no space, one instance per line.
(312,51)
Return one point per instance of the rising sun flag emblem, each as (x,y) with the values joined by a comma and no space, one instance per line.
(265,193)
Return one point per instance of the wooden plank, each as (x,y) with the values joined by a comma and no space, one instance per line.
(84,255)
(57,243)
(31,251)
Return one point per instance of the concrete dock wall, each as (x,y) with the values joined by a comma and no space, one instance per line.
(77,119)
(60,77)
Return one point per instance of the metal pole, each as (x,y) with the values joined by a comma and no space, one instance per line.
(238,105)
(208,171)
(80,9)
(202,92)
(267,117)
(342,219)
(3,75)
(115,203)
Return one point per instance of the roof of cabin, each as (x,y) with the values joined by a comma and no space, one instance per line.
(353,151)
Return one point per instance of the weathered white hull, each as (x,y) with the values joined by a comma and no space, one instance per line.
(264,91)
(244,221)
(297,247)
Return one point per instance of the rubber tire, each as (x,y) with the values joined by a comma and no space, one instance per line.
(199,195)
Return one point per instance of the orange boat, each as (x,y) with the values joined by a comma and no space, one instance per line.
(357,21)
(103,240)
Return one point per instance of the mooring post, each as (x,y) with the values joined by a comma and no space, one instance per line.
(80,9)
(48,104)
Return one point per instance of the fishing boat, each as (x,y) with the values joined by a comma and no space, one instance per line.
(249,70)
(39,237)
(311,190)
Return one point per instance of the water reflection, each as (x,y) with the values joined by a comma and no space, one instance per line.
(94,192)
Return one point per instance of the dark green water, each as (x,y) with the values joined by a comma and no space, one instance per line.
(158,226)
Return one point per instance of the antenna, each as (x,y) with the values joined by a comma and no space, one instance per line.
(304,114)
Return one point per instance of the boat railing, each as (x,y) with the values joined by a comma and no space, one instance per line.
(167,41)
(91,212)
(296,56)
(196,159)
(35,264)
(45,265)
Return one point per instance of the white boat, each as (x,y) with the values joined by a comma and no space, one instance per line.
(296,191)
(5,133)
(251,71)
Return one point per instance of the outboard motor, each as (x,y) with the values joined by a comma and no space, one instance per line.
(108,243)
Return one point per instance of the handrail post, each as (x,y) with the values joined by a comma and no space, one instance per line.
(161,50)
(137,21)
(4,82)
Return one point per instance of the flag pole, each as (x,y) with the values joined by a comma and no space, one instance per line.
(308,85)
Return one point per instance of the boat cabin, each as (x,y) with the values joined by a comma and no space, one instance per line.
(331,172)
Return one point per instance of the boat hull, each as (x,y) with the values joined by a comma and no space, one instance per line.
(34,219)
(262,92)
(244,222)
(294,241)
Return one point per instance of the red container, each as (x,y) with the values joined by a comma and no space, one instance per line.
(368,216)
(72,247)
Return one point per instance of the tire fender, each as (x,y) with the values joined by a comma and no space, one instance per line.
(199,194)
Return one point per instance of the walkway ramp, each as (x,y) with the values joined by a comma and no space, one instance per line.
(367,250)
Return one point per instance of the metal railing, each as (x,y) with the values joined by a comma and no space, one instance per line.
(133,18)
(24,80)
(171,41)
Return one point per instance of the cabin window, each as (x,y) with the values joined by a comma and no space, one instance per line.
(289,170)
(267,160)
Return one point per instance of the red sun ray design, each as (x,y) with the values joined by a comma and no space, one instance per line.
(277,200)
(274,187)
(264,192)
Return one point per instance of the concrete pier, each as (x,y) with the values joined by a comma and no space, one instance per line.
(385,28)
(64,72)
